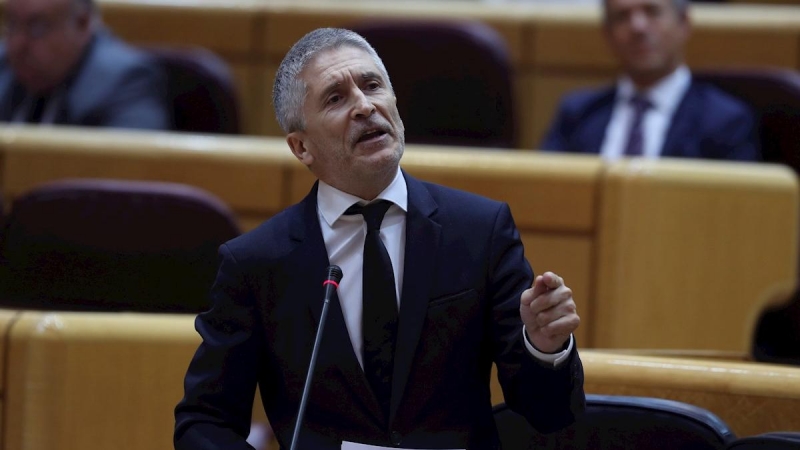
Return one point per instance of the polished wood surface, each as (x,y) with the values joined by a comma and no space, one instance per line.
(553,197)
(7,318)
(689,253)
(89,380)
(549,44)
(751,398)
(97,380)
(699,248)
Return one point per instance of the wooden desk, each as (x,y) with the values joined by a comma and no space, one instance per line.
(660,254)
(89,380)
(751,398)
(552,197)
(690,252)
(7,319)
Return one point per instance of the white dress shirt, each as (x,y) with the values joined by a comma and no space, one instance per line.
(665,97)
(344,240)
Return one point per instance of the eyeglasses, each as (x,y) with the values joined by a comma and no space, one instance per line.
(33,29)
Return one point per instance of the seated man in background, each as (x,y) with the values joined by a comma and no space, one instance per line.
(58,65)
(655,109)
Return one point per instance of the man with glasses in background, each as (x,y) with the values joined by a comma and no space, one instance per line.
(59,65)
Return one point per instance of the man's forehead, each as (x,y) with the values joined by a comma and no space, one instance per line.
(34,7)
(330,64)
(636,3)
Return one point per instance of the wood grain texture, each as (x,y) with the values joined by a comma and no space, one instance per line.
(93,380)
(696,248)
(7,318)
(751,398)
(246,173)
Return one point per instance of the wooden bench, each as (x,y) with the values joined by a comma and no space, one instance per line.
(664,254)
(751,398)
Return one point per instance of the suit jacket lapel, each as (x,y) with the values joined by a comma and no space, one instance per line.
(310,257)
(595,121)
(422,243)
(680,138)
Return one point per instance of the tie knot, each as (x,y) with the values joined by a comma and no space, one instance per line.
(640,103)
(373,213)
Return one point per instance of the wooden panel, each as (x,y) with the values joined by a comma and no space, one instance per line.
(570,257)
(245,87)
(287,24)
(267,121)
(751,398)
(547,90)
(7,318)
(710,48)
(695,247)
(245,173)
(545,191)
(121,373)
(578,44)
(224,27)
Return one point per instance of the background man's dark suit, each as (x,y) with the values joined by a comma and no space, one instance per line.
(114,85)
(707,124)
(464,272)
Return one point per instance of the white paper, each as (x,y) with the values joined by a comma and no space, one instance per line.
(354,446)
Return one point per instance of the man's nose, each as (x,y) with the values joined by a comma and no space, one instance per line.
(639,21)
(362,106)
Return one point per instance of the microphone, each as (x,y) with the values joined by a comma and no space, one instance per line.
(331,283)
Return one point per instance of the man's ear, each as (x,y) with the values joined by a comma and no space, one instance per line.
(296,141)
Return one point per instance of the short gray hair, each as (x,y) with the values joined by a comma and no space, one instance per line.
(289,91)
(681,7)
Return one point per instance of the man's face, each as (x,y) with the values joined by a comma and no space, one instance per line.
(647,36)
(44,39)
(353,136)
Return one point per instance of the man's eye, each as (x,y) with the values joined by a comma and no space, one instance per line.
(373,86)
(334,99)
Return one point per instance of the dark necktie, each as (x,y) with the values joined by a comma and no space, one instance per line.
(635,145)
(379,300)
(36,109)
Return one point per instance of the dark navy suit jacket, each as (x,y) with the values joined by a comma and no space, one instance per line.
(464,273)
(707,124)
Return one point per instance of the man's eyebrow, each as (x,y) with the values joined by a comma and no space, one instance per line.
(371,76)
(330,88)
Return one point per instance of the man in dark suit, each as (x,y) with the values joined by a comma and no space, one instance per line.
(655,109)
(58,65)
(433,292)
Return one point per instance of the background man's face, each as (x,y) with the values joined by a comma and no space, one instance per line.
(647,36)
(44,39)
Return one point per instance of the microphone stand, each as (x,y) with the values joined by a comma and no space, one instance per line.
(335,275)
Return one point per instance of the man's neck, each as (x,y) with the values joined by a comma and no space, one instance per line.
(645,81)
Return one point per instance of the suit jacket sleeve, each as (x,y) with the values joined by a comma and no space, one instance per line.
(139,100)
(741,139)
(549,398)
(556,137)
(220,384)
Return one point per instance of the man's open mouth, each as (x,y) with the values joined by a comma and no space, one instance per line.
(370,135)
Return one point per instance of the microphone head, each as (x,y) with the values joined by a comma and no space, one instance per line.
(334,273)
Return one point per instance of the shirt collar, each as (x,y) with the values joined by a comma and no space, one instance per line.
(664,95)
(332,202)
